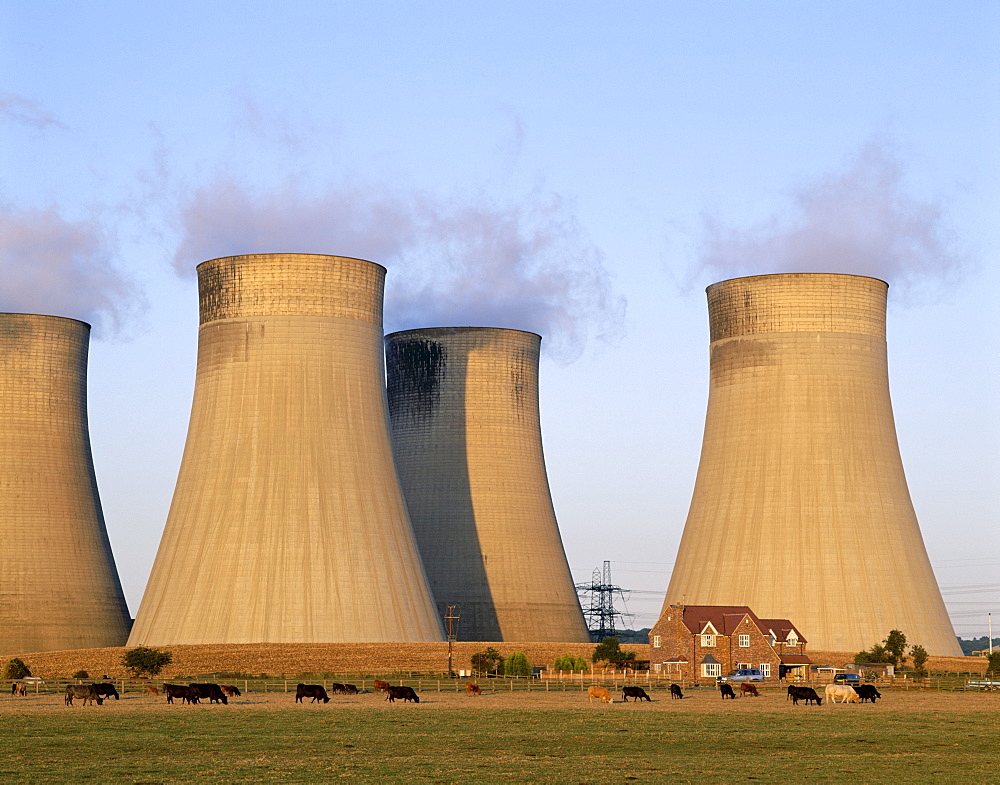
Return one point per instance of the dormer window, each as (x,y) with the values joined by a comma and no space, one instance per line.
(772,639)
(793,639)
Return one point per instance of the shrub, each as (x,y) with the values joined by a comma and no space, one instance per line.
(517,664)
(81,675)
(570,662)
(919,655)
(993,663)
(610,651)
(145,660)
(488,661)
(16,669)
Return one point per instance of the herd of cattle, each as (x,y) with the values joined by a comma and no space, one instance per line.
(220,693)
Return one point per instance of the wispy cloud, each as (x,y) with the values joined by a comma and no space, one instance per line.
(26,111)
(860,221)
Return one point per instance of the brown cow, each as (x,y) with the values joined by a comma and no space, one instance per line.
(471,688)
(151,690)
(601,693)
(380,686)
(18,689)
(748,689)
(230,689)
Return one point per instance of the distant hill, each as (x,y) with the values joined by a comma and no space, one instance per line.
(977,644)
(627,636)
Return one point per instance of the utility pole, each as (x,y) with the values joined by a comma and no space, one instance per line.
(451,624)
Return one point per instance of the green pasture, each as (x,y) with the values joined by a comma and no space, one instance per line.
(478,744)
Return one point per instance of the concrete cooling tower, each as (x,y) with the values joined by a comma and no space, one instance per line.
(59,588)
(800,508)
(288,524)
(466,435)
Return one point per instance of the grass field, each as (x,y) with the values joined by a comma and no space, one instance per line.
(501,737)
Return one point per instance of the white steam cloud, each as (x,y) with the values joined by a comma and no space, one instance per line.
(465,262)
(52,266)
(860,221)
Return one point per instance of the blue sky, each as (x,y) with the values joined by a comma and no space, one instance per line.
(583,171)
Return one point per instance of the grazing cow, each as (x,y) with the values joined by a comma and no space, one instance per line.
(727,691)
(748,689)
(675,691)
(634,692)
(842,691)
(808,694)
(601,693)
(151,690)
(107,691)
(337,689)
(380,686)
(213,692)
(315,691)
(86,692)
(471,688)
(230,689)
(403,693)
(186,694)
(867,692)
(18,689)
(350,689)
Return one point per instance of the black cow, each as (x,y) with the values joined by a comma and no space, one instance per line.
(403,693)
(675,691)
(727,691)
(808,694)
(86,692)
(350,689)
(186,694)
(314,691)
(634,692)
(867,692)
(213,692)
(338,689)
(107,691)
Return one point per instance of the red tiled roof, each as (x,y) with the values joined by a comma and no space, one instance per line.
(726,618)
(795,659)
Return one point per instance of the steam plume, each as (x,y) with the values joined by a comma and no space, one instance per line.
(56,267)
(859,221)
(26,111)
(466,262)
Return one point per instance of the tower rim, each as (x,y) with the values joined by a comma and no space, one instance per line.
(88,325)
(454,330)
(794,275)
(272,254)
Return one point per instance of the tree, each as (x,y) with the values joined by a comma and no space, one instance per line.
(81,675)
(16,669)
(488,661)
(993,663)
(610,651)
(517,664)
(145,660)
(895,647)
(570,662)
(919,655)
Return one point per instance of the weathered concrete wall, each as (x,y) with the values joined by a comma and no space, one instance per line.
(463,403)
(59,588)
(800,508)
(288,523)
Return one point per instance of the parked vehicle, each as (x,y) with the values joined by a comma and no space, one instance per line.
(847,678)
(743,674)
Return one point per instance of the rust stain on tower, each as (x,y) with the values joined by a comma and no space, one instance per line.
(800,508)
(288,523)
(463,403)
(59,588)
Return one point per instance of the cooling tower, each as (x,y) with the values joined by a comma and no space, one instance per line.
(288,523)
(800,508)
(59,588)
(465,429)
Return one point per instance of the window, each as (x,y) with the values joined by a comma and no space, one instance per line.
(656,667)
(793,639)
(656,641)
(744,641)
(765,668)
(773,639)
(742,665)
(711,669)
(708,640)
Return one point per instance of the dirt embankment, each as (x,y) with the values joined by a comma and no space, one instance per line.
(295,658)
(374,658)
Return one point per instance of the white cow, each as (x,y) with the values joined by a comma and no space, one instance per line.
(842,691)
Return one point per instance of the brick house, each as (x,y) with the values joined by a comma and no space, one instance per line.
(698,643)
